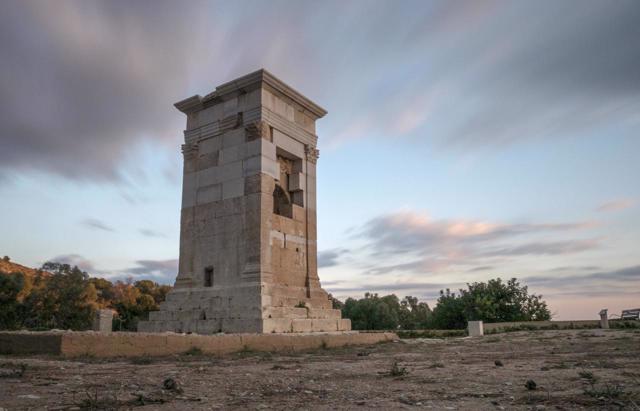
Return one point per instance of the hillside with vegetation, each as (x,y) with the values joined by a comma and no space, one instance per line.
(58,296)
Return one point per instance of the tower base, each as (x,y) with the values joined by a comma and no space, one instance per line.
(258,308)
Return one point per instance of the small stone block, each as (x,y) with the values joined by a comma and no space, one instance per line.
(475,329)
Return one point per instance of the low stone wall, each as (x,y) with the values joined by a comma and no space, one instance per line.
(124,344)
(506,326)
(30,342)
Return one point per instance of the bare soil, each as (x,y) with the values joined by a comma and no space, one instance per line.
(563,369)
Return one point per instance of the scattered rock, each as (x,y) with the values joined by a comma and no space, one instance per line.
(30,396)
(406,400)
(171,385)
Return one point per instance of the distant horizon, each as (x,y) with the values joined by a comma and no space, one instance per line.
(432,302)
(464,140)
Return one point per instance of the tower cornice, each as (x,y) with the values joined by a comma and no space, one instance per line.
(260,78)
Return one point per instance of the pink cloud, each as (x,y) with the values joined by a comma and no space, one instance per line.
(616,205)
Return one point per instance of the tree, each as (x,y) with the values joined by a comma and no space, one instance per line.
(386,313)
(335,303)
(493,301)
(134,301)
(414,315)
(372,312)
(65,299)
(105,291)
(155,290)
(448,312)
(11,307)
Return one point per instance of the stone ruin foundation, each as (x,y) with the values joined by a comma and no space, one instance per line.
(248,253)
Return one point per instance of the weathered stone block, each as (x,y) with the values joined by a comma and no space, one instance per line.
(297,182)
(233,138)
(209,194)
(208,160)
(103,321)
(475,329)
(210,145)
(233,188)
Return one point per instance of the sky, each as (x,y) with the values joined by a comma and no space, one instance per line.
(465,140)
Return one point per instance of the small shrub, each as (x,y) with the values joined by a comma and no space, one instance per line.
(588,375)
(607,391)
(93,401)
(624,324)
(193,351)
(144,360)
(437,365)
(397,371)
(430,333)
(245,352)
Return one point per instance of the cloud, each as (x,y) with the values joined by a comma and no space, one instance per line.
(610,283)
(427,245)
(163,271)
(151,233)
(549,248)
(75,260)
(616,205)
(481,268)
(575,268)
(88,82)
(84,83)
(329,258)
(423,290)
(95,224)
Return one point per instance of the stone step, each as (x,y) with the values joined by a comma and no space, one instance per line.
(287,325)
(298,312)
(284,301)
(284,312)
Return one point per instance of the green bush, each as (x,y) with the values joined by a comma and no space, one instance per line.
(491,302)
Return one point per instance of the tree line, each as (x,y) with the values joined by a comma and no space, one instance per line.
(59,296)
(493,301)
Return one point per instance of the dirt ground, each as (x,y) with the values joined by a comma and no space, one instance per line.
(571,369)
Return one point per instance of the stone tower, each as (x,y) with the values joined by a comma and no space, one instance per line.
(248,254)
